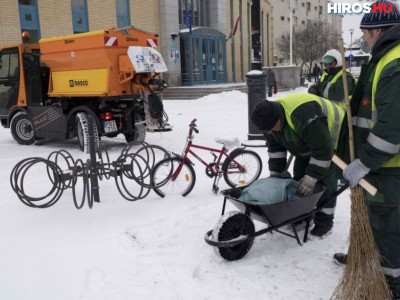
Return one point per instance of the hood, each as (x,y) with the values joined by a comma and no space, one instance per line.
(336,54)
(388,37)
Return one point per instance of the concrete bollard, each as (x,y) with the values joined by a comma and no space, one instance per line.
(256,92)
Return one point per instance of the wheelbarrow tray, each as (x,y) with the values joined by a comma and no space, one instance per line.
(277,213)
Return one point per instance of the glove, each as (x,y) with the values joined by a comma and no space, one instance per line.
(313,89)
(307,184)
(284,174)
(354,172)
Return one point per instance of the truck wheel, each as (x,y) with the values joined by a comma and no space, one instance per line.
(22,129)
(82,132)
(139,132)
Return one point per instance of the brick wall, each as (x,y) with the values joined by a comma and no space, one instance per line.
(145,14)
(10,32)
(55,17)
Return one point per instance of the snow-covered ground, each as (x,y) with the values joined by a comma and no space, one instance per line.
(153,248)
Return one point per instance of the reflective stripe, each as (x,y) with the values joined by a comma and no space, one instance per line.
(361,122)
(337,120)
(391,272)
(381,144)
(336,125)
(326,90)
(277,154)
(324,107)
(328,211)
(320,163)
(305,154)
(325,94)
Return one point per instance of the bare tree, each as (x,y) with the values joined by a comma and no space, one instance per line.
(310,42)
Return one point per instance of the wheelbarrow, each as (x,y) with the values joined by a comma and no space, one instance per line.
(234,233)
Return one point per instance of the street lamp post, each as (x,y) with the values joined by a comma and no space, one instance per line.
(351,46)
(291,31)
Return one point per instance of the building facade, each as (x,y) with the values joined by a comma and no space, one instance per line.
(303,11)
(202,41)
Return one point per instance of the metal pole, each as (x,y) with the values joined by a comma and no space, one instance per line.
(93,169)
(291,31)
(351,46)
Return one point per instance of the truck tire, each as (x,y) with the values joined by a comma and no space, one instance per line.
(82,132)
(22,129)
(139,132)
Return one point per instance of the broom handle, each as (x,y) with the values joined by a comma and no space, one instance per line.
(365,184)
(347,101)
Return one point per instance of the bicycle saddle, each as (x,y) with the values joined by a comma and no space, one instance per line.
(229,143)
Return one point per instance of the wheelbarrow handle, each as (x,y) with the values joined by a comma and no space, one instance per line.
(365,184)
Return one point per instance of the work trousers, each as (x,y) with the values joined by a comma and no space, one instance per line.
(384,217)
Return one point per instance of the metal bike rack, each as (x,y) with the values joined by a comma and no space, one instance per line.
(131,172)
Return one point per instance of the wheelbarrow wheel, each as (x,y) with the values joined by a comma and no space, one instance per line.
(231,226)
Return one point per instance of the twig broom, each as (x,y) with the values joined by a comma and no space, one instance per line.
(363,278)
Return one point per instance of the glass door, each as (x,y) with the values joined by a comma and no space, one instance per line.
(209,60)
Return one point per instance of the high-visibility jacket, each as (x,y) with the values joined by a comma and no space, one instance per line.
(310,127)
(369,123)
(333,112)
(338,75)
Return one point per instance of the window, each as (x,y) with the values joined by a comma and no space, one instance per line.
(79,16)
(123,13)
(282,18)
(9,72)
(197,12)
(9,65)
(29,18)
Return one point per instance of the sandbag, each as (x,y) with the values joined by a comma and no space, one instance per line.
(270,190)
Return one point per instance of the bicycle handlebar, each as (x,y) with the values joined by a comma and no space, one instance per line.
(193,125)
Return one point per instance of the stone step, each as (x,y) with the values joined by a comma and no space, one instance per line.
(196,92)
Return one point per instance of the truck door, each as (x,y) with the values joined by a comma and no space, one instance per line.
(33,81)
(9,79)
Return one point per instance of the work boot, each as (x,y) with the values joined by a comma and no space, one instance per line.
(319,230)
(340,258)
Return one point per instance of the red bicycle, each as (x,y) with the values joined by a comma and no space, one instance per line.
(176,175)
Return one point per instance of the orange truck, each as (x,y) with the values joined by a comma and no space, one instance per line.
(50,89)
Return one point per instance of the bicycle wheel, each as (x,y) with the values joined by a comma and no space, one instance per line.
(161,177)
(249,160)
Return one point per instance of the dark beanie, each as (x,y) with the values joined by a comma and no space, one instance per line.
(382,19)
(265,115)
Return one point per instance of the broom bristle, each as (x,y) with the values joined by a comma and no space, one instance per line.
(363,276)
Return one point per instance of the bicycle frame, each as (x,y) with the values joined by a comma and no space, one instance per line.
(214,167)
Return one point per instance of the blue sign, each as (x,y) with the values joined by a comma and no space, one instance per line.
(351,57)
(187,20)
